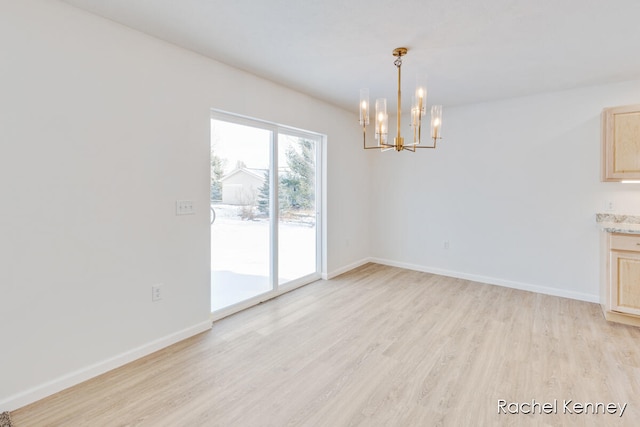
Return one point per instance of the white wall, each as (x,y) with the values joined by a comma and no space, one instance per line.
(514,187)
(102,129)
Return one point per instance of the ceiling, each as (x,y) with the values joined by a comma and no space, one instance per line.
(472,50)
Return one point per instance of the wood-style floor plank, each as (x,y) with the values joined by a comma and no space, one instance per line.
(378,346)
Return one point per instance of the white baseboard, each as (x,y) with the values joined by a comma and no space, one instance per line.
(493,281)
(47,389)
(341,270)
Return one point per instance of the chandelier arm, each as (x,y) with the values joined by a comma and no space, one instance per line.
(429,146)
(364,139)
(375,147)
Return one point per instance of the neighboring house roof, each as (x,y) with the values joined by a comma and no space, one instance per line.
(255,173)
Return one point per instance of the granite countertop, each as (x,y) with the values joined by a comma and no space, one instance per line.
(615,223)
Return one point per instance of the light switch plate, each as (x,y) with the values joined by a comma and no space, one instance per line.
(185,207)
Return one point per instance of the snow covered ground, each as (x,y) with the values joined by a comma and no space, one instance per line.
(240,255)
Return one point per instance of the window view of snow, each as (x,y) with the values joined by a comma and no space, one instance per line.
(242,210)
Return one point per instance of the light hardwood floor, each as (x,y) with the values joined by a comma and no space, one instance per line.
(378,346)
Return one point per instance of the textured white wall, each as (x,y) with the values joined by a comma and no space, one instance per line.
(102,129)
(514,188)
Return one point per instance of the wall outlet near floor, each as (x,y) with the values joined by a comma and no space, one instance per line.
(156,293)
(445,245)
(185,207)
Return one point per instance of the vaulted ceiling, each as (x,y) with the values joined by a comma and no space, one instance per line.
(472,50)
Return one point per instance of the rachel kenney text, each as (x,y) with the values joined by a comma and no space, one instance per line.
(567,406)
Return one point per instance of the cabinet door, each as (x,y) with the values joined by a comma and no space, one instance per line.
(625,282)
(621,143)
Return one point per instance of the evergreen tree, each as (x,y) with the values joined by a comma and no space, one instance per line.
(217,171)
(298,185)
(263,195)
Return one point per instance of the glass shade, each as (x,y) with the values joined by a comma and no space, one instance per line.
(436,121)
(421,93)
(382,125)
(416,120)
(414,112)
(364,107)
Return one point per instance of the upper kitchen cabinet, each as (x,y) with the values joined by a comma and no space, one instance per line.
(621,143)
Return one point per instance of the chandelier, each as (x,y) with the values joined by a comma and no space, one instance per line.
(418,110)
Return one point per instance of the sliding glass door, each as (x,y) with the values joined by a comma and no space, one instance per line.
(297,213)
(265,234)
(240,231)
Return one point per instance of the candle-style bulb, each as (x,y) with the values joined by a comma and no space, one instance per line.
(436,121)
(364,103)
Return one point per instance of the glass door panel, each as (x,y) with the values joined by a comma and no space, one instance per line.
(297,230)
(240,212)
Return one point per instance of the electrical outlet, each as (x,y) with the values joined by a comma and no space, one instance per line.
(156,293)
(185,207)
(609,206)
(445,245)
